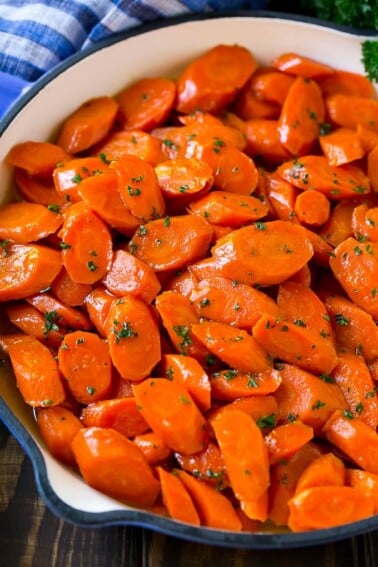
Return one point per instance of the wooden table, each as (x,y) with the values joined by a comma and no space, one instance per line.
(30,536)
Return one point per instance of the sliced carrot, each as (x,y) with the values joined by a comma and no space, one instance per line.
(328,506)
(271,85)
(57,314)
(303,276)
(58,427)
(285,440)
(134,142)
(346,83)
(263,141)
(98,303)
(349,111)
(69,175)
(36,372)
(282,196)
(312,208)
(85,363)
(87,125)
(133,337)
(234,346)
(339,224)
(326,470)
(86,244)
(176,498)
(366,482)
(207,465)
(341,146)
(212,80)
(300,65)
(228,385)
(171,413)
(121,414)
(36,158)
(114,465)
(214,509)
(27,222)
(364,222)
(153,447)
(172,242)
(368,135)
(357,440)
(182,281)
(372,166)
(258,407)
(146,104)
(69,292)
(32,322)
(26,269)
(38,190)
(301,114)
(307,397)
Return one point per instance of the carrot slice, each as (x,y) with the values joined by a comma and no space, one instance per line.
(346,83)
(58,427)
(366,482)
(281,195)
(263,140)
(36,372)
(86,245)
(213,79)
(146,104)
(184,178)
(326,470)
(133,336)
(176,498)
(36,158)
(364,222)
(134,142)
(31,322)
(68,176)
(87,125)
(173,242)
(114,465)
(26,269)
(38,190)
(153,447)
(341,146)
(312,208)
(372,166)
(249,105)
(349,111)
(208,465)
(297,64)
(339,224)
(69,292)
(271,85)
(98,303)
(258,407)
(285,440)
(121,414)
(84,361)
(171,413)
(27,222)
(228,385)
(57,314)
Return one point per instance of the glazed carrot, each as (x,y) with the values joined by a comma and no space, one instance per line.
(368,135)
(281,195)
(27,222)
(134,142)
(98,303)
(228,385)
(271,85)
(263,140)
(285,440)
(336,182)
(183,282)
(339,224)
(354,328)
(307,397)
(86,245)
(26,269)
(37,190)
(36,158)
(366,482)
(233,346)
(84,361)
(357,440)
(258,407)
(212,80)
(354,265)
(121,414)
(341,146)
(328,506)
(349,111)
(184,178)
(312,208)
(205,138)
(171,413)
(301,114)
(176,498)
(284,477)
(214,509)
(303,276)
(172,242)
(101,194)
(251,107)
(114,465)
(87,125)
(128,275)
(352,376)
(36,372)
(231,302)
(229,209)
(326,470)
(188,370)
(364,222)
(133,337)
(346,83)
(146,103)
(58,427)
(247,470)
(372,165)
(68,176)
(69,292)
(297,64)
(153,447)
(263,253)
(57,314)
(208,465)
(31,322)
(322,250)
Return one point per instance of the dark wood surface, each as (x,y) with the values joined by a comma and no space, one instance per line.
(30,536)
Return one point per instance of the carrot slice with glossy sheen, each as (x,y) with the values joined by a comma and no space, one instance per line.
(228,385)
(349,111)
(271,85)
(173,242)
(153,447)
(213,79)
(26,269)
(68,175)
(86,244)
(36,372)
(121,414)
(133,336)
(297,64)
(341,146)
(36,158)
(134,142)
(171,413)
(208,465)
(263,140)
(38,190)
(258,407)
(69,292)
(326,470)
(366,482)
(57,313)
(85,363)
(31,322)
(146,104)
(285,440)
(58,427)
(114,465)
(98,303)
(312,208)
(87,125)
(27,222)
(184,178)
(346,83)
(339,224)
(176,498)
